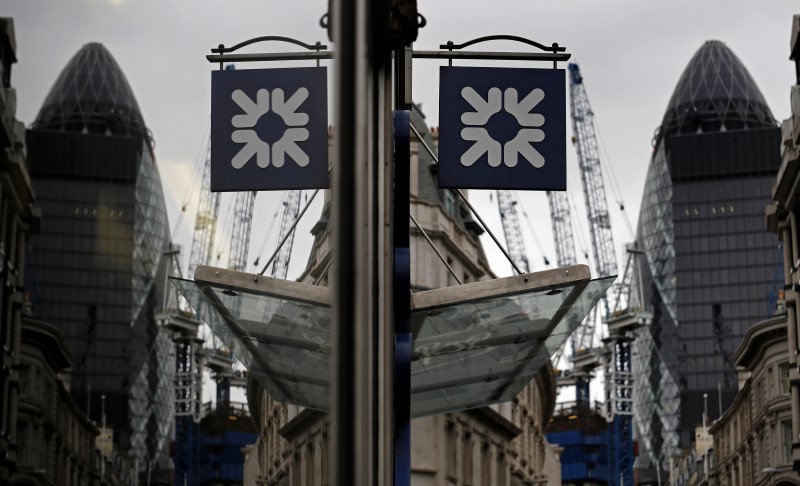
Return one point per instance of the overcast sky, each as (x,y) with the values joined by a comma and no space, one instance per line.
(631,54)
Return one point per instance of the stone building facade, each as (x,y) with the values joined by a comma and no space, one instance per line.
(502,445)
(55,439)
(18,218)
(782,219)
(753,438)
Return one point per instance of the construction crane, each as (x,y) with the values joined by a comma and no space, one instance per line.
(240,234)
(562,228)
(564,241)
(507,205)
(190,356)
(627,315)
(594,192)
(585,355)
(291,211)
(205,225)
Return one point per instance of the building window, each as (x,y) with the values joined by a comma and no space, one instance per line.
(450,279)
(469,455)
(22,443)
(787,441)
(296,465)
(24,380)
(450,205)
(452,451)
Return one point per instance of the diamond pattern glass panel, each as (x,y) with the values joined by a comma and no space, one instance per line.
(91,95)
(715,93)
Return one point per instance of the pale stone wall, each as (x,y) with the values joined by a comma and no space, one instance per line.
(752,441)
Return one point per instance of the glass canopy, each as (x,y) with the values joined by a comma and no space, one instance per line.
(473,345)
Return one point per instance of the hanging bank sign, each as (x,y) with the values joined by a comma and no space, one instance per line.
(502,128)
(269,129)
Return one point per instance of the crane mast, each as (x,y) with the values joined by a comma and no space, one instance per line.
(583,127)
(291,210)
(616,353)
(205,225)
(562,228)
(564,241)
(585,141)
(240,235)
(507,204)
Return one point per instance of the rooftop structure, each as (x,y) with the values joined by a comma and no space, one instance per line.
(91,95)
(715,93)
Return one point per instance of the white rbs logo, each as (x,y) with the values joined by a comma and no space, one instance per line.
(522,110)
(253,111)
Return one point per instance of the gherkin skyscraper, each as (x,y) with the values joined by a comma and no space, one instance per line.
(708,262)
(97,268)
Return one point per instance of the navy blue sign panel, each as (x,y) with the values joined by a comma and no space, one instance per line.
(502,128)
(269,129)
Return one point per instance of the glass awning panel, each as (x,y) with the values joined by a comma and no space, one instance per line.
(280,330)
(473,345)
(476,353)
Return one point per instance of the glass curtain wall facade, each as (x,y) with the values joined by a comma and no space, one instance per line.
(709,264)
(97,270)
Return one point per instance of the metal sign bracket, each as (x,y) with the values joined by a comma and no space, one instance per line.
(223,54)
(452,51)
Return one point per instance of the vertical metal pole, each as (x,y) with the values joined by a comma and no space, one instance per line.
(345,17)
(362,342)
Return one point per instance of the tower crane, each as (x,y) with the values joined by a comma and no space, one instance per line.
(586,357)
(507,205)
(219,361)
(594,192)
(190,357)
(564,241)
(627,313)
(291,211)
(562,228)
(240,235)
(205,225)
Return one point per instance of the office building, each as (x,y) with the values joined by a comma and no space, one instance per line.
(96,270)
(709,265)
